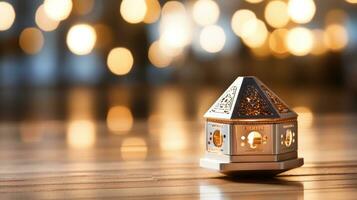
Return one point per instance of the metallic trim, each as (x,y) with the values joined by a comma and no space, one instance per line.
(252,158)
(252,121)
(272,167)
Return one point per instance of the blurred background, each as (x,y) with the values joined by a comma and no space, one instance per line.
(132,61)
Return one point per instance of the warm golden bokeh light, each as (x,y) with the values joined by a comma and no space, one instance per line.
(81,103)
(44,22)
(305,116)
(258,33)
(83,7)
(153,11)
(336,37)
(205,12)
(31,40)
(81,134)
(133,149)
(133,11)
(301,11)
(277,41)
(157,56)
(120,119)
(239,19)
(261,51)
(120,61)
(7,16)
(175,28)
(351,1)
(172,136)
(212,38)
(276,13)
(58,9)
(253,1)
(319,47)
(81,39)
(299,41)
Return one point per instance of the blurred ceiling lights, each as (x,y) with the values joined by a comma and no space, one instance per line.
(43,21)
(253,1)
(301,11)
(256,35)
(212,38)
(120,61)
(175,28)
(319,46)
(205,12)
(81,39)
(31,40)
(276,14)
(58,9)
(277,41)
(119,119)
(351,1)
(336,37)
(299,41)
(239,21)
(133,11)
(157,56)
(7,16)
(153,11)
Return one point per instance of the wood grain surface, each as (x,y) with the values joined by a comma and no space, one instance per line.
(158,159)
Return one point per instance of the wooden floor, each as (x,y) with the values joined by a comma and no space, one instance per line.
(158,159)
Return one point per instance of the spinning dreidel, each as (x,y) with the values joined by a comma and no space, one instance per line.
(250,129)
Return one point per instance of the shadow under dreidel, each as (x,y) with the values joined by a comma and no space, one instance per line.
(252,188)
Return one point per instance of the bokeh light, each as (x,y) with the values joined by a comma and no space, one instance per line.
(258,33)
(336,37)
(31,40)
(153,11)
(319,47)
(7,16)
(120,119)
(133,11)
(120,61)
(81,39)
(44,22)
(253,1)
(58,9)
(205,12)
(175,28)
(261,51)
(351,1)
(301,11)
(299,41)
(81,134)
(239,21)
(212,38)
(277,41)
(133,149)
(157,56)
(276,13)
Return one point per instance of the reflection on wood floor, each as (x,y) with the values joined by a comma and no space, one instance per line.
(117,147)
